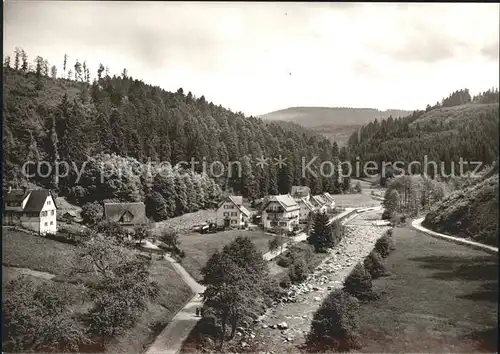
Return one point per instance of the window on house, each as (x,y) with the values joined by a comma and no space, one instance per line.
(48,202)
(51,223)
(226,213)
(233,213)
(43,213)
(46,224)
(52,212)
(282,223)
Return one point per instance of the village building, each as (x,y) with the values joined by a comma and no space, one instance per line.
(232,213)
(281,211)
(127,215)
(330,202)
(33,209)
(319,203)
(69,216)
(299,192)
(306,208)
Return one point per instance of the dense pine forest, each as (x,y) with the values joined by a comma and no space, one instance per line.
(459,126)
(53,116)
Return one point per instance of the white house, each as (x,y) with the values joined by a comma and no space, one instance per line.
(281,211)
(330,202)
(33,209)
(300,192)
(306,208)
(319,203)
(232,213)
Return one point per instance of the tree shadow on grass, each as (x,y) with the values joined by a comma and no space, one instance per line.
(461,267)
(487,339)
(489,293)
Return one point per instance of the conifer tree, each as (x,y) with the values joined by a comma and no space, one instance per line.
(321,235)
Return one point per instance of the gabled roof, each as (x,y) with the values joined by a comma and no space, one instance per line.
(245,211)
(319,199)
(237,200)
(70,213)
(328,197)
(115,211)
(285,200)
(306,203)
(37,200)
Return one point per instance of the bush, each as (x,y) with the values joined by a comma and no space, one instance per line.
(385,244)
(359,283)
(298,271)
(274,244)
(335,324)
(337,231)
(285,282)
(60,237)
(284,261)
(38,318)
(92,213)
(375,266)
(386,215)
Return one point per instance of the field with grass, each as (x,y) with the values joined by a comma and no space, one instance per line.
(199,247)
(21,249)
(440,297)
(355,200)
(185,221)
(28,251)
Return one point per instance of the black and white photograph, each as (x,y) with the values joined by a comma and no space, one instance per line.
(250,177)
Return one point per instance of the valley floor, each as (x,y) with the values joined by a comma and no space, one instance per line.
(441,297)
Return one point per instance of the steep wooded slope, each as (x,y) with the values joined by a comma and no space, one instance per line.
(470,213)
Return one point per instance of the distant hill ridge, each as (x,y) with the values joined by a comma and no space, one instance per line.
(336,123)
(321,116)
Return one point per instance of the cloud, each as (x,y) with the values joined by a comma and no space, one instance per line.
(428,49)
(490,51)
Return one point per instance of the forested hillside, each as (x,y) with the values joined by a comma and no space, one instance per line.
(470,213)
(51,116)
(459,126)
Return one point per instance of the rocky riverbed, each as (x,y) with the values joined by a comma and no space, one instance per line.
(284,327)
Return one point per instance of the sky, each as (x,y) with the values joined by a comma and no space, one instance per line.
(261,57)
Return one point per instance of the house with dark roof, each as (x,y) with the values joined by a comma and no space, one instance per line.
(281,211)
(232,213)
(33,209)
(127,215)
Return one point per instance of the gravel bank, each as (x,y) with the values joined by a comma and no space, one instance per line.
(284,327)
